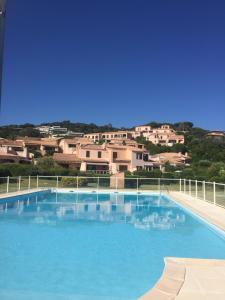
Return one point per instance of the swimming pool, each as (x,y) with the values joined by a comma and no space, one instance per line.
(83,246)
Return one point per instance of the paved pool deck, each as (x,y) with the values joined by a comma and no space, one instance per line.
(208,211)
(192,279)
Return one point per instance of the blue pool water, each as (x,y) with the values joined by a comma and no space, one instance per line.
(94,246)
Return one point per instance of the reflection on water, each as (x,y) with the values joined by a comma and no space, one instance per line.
(143,211)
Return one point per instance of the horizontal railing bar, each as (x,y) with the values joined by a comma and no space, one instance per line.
(108,177)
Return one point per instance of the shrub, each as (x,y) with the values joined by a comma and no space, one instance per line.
(14,169)
(148,174)
(72,182)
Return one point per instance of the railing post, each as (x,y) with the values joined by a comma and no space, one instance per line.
(159,185)
(185,186)
(116,183)
(29,183)
(196,188)
(57,182)
(180,185)
(98,183)
(189,186)
(137,185)
(214,193)
(19,183)
(203,184)
(37,181)
(77,183)
(7,185)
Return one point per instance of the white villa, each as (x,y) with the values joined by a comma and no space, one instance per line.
(163,135)
(109,136)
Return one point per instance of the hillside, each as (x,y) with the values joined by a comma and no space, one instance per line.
(208,155)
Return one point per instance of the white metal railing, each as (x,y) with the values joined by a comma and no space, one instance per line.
(207,191)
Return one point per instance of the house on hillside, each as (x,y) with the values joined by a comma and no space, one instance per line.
(13,151)
(105,158)
(109,136)
(216,135)
(164,135)
(42,145)
(175,159)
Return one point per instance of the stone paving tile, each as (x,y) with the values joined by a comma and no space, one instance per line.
(202,279)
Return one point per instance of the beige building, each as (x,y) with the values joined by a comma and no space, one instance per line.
(105,158)
(13,147)
(163,135)
(70,146)
(143,128)
(109,136)
(13,151)
(175,159)
(216,135)
(42,145)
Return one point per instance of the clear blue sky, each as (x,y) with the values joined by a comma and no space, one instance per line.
(123,62)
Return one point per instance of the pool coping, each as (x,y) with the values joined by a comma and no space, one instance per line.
(22,192)
(189,279)
(213,214)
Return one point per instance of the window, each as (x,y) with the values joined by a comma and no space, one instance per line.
(122,168)
(145,157)
(99,154)
(114,155)
(139,155)
(87,153)
(71,146)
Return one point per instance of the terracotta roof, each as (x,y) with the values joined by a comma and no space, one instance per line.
(122,160)
(77,140)
(123,141)
(109,132)
(49,143)
(216,133)
(11,143)
(30,142)
(172,157)
(13,157)
(176,136)
(95,160)
(118,147)
(70,158)
(26,138)
(93,146)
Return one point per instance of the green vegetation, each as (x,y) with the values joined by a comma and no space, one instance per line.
(14,131)
(82,127)
(45,166)
(208,155)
